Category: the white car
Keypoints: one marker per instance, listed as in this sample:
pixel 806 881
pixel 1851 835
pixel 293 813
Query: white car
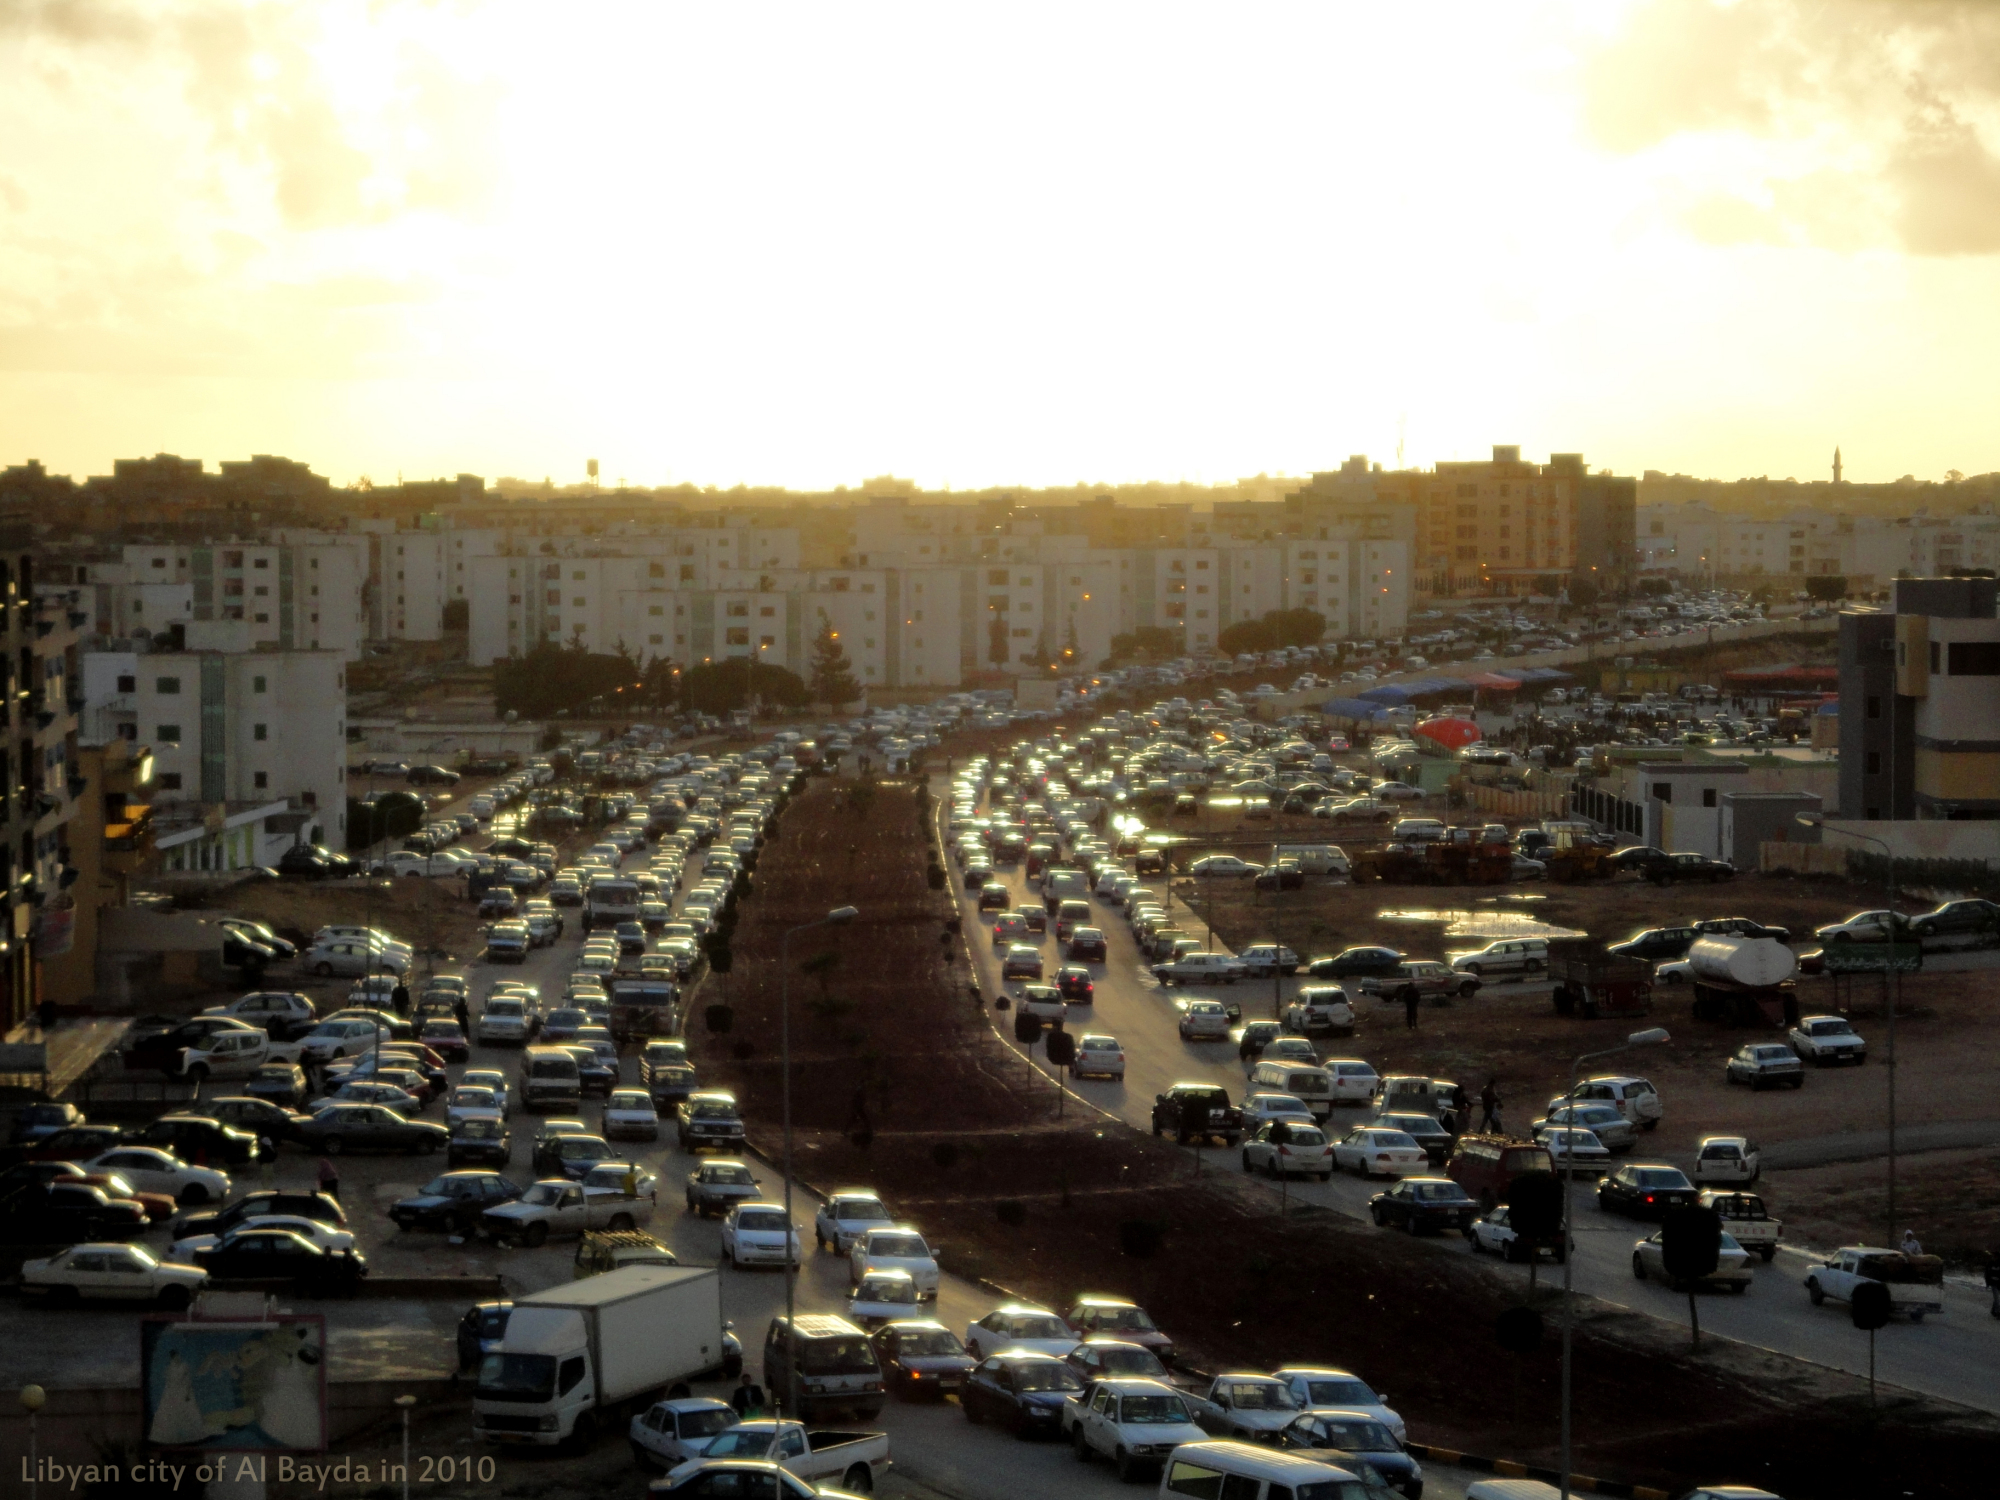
pixel 1373 1152
pixel 1098 1056
pixel 277 1011
pixel 671 1432
pixel 1131 1422
pixel 1321 1007
pixel 1320 1388
pixel 487 1078
pixel 351 956
pixel 1493 1232
pixel 1508 956
pixel 504 1020
pixel 846 1216
pixel 114 1273
pixel 326 1236
pixel 882 1297
pixel 1304 1151
pixel 1204 1021
pixel 1019 1326
pixel 758 1234
pixel 1828 1039
pixel 1259 960
pixel 154 1171
pixel 1732 1262
pixel 1354 1081
pixel 900 1248
pixel 1727 1159
pixel 629 1114
pixel 1222 865
pixel 1250 1408
pixel 1198 967
pixel 1674 971
pixel 1396 791
pixel 1574 1148
pixel 1262 1108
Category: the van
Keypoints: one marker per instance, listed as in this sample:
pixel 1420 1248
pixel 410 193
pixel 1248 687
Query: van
pixel 1417 831
pixel 1244 1471
pixel 1314 859
pixel 549 1080
pixel 836 1367
pixel 1408 1094
pixel 1311 1086
pixel 1486 1165
pixel 1071 915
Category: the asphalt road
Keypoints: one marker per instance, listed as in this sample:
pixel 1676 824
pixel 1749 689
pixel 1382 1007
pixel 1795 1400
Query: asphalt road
pixel 1956 1357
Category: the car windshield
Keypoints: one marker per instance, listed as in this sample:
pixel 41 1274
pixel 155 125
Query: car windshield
pixel 1388 1138
pixel 932 1341
pixel 1258 1395
pixel 1773 1054
pixel 749 1444
pixel 767 1223
pixel 1832 1028
pixel 1340 1392
pixel 837 1356
pixel 543 1194
pixel 581 1148
pixel 886 1289
pixel 630 1099
pixel 479 1128
pixel 517 1377
pixel 706 1423
pixel 1125 1320
pixel 1044 1326
pixel 1153 1410
pixel 1045 1377
pixel 900 1246
pixel 1661 1177
pixel 862 1210
pixel 1440 1192
pixel 714 1109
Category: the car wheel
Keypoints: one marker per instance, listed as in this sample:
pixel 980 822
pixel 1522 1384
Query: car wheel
pixel 173 1298
pixel 194 1193
pixel 537 1236
pixel 1326 1176
pixel 622 1222
pixel 1814 1293
pixel 1128 1471
pixel 1246 1162
pixel 1638 1267
pixel 1468 990
pixel 1271 1169
pixel 858 1480
pixel 1799 1082
pixel 1381 1219
pixel 1843 937
pixel 971 1407
pixel 427 1146
pixel 1769 1252
pixel 1077 1442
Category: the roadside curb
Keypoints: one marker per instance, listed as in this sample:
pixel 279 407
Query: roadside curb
pixel 1511 1469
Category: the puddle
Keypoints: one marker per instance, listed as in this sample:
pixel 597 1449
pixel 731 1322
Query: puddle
pixel 1482 924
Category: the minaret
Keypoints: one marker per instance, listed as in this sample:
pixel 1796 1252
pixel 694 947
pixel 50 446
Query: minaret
pixel 1836 465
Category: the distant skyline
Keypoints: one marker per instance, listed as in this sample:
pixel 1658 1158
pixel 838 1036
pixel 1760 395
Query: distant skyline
pixel 1030 246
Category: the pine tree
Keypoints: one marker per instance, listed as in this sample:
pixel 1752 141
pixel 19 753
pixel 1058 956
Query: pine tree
pixel 832 678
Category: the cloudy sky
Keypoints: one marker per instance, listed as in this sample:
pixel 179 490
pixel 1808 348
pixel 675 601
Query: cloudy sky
pixel 977 244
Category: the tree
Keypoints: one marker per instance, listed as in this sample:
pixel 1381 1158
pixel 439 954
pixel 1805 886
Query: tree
pixel 720 687
pixel 832 675
pixel 1582 592
pixel 554 679
pixel 1147 640
pixel 1277 628
pixel 1826 588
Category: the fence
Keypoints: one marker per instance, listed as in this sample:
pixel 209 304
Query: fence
pixel 1801 859
pixel 1508 803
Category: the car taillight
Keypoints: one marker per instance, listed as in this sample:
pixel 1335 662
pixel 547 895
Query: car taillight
pixel 1649 1197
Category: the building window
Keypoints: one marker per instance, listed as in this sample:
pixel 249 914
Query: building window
pixel 260 731
pixel 1874 708
pixel 1874 762
pixel 1974 658
pixel 260 780
pixel 656 609
pixel 1708 796
pixel 167 685
pixel 128 684
pixel 1663 790
pixel 168 734
pixel 170 781
pixel 738 635
pixel 653 640
pixel 1935 653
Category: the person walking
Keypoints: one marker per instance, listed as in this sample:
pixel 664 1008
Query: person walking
pixel 747 1400
pixel 329 1178
pixel 399 997
pixel 464 1017
pixel 1410 1002
pixel 1489 1102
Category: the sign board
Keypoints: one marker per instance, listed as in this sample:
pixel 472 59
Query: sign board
pixel 229 1386
pixel 24 1057
pixel 1873 958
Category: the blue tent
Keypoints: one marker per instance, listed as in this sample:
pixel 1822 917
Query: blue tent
pixel 1422 687
pixel 1351 708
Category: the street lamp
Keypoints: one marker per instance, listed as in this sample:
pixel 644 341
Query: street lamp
pixel 1814 820
pixel 1653 1036
pixel 840 916
pixel 32 1398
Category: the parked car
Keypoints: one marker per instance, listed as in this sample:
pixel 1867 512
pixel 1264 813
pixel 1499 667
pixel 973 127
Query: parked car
pixel 1828 1039
pixel 1868 927
pixel 1765 1065
pixel 453 1201
pixel 370 1127
pixel 1024 1390
pixel 35 1122
pixel 111 1272
pixel 1645 1190
pixel 921 1359
pixel 68 1212
pixel 1955 918
pixel 1515 956
pixel 1418 1204
pixel 1656 944
pixel 254 1253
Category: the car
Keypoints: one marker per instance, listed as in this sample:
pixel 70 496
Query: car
pixel 629 1114
pixel 453 1201
pixel 263 1118
pixel 1494 1232
pixel 921 1359
pixel 882 1297
pixel 846 1216
pixel 380 1090
pixel 479 1139
pixel 1289 1148
pixel 1369 1151
pixel 1417 1204
pixel 1319 1389
pixel 155 1171
pixel 757 1233
pixel 1262 1108
pixel 35 1122
pixel 571 1156
pixel 1423 978
pixel 1421 1128
pixel 1285 875
pixel 1732 1159
pixel 68 1210
pixel 672 1432
pixel 1613 1131
pixel 1656 944
pixel 1021 1327
pixel 1521 956
pixel 1023 961
pixel 111 1272
pixel 1573 1148
pixel 1868 927
pixel 1204 1021
pixel 1828 1039
pixel 615 1179
pixel 251 1252
pixel 898 1248
pixel 719 1184
pixel 348 956
pixel 1073 983
pixel 709 1118
pixel 284 1014
pixel 1645 1190
pixel 1741 927
pixel 1198 967
pixel 1223 867
pixel 1321 1009
pixel 326 1236
pixel 370 1127
pixel 1732 1263
pixel 1087 944
pixel 1022 1389
pixel 1354 1440
pixel 1178 1108
pixel 1765 1065
pixel 1958 917
pixel 445 1037
pixel 1250 1408
pixel 1109 1357
pixel 1098 1056
pixel 993 895
pixel 279 1083
pixel 33 1176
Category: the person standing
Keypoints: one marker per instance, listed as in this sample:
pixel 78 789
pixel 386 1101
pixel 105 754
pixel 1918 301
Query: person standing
pixel 1410 1003
pixel 1489 1102
pixel 329 1178
pixel 464 1015
pixel 747 1400
pixel 399 997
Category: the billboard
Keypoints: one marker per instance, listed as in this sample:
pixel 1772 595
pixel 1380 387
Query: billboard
pixel 234 1386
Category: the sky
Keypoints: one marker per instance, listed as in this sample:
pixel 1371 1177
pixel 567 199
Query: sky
pixel 978 244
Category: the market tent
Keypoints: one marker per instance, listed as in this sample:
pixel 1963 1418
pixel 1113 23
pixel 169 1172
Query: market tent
pixel 1422 687
pixel 1351 708
pixel 1453 733
pixel 1493 682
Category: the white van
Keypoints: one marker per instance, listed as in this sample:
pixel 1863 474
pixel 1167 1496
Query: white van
pixel 1417 831
pixel 1314 859
pixel 1243 1471
pixel 1311 1086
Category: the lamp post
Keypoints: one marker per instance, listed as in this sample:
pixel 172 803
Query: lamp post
pixel 403 1404
pixel 1651 1037
pixel 840 916
pixel 32 1398
pixel 1813 820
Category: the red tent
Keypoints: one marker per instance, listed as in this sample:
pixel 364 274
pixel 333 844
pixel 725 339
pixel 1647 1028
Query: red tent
pixel 1453 734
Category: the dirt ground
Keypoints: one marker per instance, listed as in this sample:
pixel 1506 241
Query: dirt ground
pixel 1950 1198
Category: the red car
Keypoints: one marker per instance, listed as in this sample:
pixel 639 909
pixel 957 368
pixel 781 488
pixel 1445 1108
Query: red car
pixel 446 1037
pixel 1074 983
pixel 157 1205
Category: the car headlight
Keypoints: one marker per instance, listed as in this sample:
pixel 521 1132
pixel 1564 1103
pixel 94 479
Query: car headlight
pixel 546 1424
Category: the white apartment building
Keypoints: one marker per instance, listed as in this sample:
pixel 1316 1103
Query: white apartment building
pixel 302 590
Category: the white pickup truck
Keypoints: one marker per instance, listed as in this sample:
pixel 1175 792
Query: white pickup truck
pixel 234 1054
pixel 849 1460
pixel 556 1207
pixel 1745 1217
pixel 1132 1423
pixel 1915 1282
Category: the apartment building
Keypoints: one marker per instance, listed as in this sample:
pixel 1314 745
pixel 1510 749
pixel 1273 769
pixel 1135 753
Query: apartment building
pixel 297 589
pixel 1505 524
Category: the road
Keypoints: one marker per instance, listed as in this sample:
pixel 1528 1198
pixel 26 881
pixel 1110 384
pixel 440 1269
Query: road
pixel 1956 1358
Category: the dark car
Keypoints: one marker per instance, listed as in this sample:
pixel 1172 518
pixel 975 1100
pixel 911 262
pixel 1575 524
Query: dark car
pixel 258 1117
pixel 562 1024
pixel 453 1201
pixel 36 1121
pixel 202 1140
pixel 1355 1435
pixel 1285 875
pixel 1656 944
pixel 443 1035
pixel 1636 859
pixel 370 1127
pixel 480 1139
pixel 257 1254
pixel 1024 1391
pixel 1087 943
pixel 1424 1130
pixel 921 1359
pixel 1679 867
pixel 1113 1359
pixel 1645 1190
pixel 1381 962
pixel 1176 1109
pixel 480 1332
pixel 1257 1035
pixel 66 1212
pixel 995 897
pixel 430 776
pixel 315 1206
pixel 39 1174
pixel 571 1156
pixel 311 862
pixel 1741 927
pixel 709 1119
pixel 1958 917
pixel 260 933
pixel 1073 983
pixel 631 937
pixel 1421 1204
pixel 160 1046
pixel 595 1072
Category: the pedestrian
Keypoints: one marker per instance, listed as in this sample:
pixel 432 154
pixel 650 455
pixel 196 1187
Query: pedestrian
pixel 399 998
pixel 1410 1008
pixel 464 1017
pixel 1489 1101
pixel 747 1400
pixel 329 1178
pixel 630 1181
pixel 1911 1245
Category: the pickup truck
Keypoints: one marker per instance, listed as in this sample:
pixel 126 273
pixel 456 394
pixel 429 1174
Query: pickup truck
pixel 1427 978
pixel 1744 1216
pixel 158 1041
pixel 229 1054
pixel 1247 1408
pixel 558 1207
pixel 1915 1282
pixel 1133 1423
pixel 853 1461
pixel 1199 968
pixel 1172 1112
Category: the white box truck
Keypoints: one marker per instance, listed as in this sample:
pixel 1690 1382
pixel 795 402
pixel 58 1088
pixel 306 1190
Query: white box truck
pixel 583 1356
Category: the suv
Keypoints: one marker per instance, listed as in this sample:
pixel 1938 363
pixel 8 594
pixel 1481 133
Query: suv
pixel 1422 977
pixel 1173 1111
pixel 1634 1098
pixel 1320 1008
pixel 1656 944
